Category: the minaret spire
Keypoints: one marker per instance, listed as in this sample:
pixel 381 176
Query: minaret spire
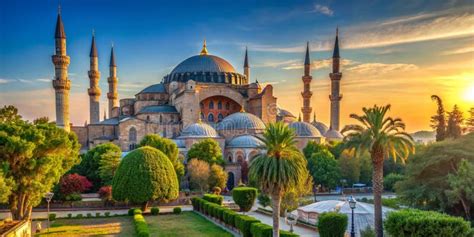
pixel 335 96
pixel 306 94
pixel 61 82
pixel 204 48
pixel 246 65
pixel 94 77
pixel 112 95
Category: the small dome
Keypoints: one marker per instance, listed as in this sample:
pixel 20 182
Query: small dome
pixel 180 143
pixel 199 130
pixel 284 113
pixel 322 128
pixel 255 85
pixel 333 134
pixel 303 129
pixel 245 141
pixel 241 120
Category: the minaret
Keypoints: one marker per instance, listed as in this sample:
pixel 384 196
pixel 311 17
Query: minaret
pixel 112 95
pixel 246 66
pixel 335 76
pixel 306 94
pixel 61 83
pixel 94 90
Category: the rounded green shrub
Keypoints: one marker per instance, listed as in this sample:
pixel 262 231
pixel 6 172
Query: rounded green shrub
pixel 130 211
pixel 97 214
pixel 332 224
pixel 155 211
pixel 243 223
pixel 410 222
pixel 261 230
pixel 141 227
pixel 218 199
pixel 145 174
pixel 137 211
pixel 89 215
pixel 177 210
pixel 52 216
pixel 79 216
pixel 244 197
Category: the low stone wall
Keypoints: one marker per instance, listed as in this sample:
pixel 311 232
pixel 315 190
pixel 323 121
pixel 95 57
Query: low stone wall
pixel 22 229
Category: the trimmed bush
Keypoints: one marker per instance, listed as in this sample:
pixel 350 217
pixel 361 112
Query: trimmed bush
pixel 69 215
pixel 332 224
pixel 217 199
pixel 130 211
pixel 229 217
pixel 244 197
pixel 261 230
pixel 145 174
pixel 107 214
pixel 141 227
pixel 195 202
pixel 89 215
pixel 177 210
pixel 52 216
pixel 97 214
pixel 79 216
pixel 367 232
pixel 155 211
pixel 243 223
pixel 284 233
pixel 137 211
pixel 410 222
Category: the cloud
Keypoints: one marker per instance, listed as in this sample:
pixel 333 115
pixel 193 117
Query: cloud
pixel 4 81
pixel 275 64
pixel 325 10
pixel 319 64
pixel 381 68
pixel 43 80
pixel 468 49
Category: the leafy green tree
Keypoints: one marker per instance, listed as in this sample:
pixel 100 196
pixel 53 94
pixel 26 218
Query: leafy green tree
pixel 168 147
pixel 90 164
pixel 293 197
pixel 382 136
pixel 455 120
pixel 199 172
pixel 349 165
pixel 108 164
pixel 282 168
pixel 311 148
pixel 35 157
pixel 325 169
pixel 470 121
pixel 390 180
pixel 6 185
pixel 366 168
pixel 207 150
pixel 145 174
pixel 427 172
pixel 217 177
pixel 462 189
pixel 438 121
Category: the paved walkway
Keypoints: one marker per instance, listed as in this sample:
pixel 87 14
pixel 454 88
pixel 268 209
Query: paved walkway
pixel 61 213
pixel 303 232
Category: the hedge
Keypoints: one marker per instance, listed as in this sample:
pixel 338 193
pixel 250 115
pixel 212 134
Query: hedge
pixel 417 223
pixel 243 223
pixel 261 230
pixel 177 210
pixel 332 224
pixel 217 199
pixel 244 197
pixel 141 227
pixel 155 211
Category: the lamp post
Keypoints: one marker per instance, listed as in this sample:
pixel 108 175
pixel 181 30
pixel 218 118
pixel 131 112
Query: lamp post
pixel 352 204
pixel 48 196
pixel 291 219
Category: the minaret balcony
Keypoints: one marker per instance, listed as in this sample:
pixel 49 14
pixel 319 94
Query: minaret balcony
pixel 307 94
pixel 112 79
pixel 94 91
pixel 61 84
pixel 112 95
pixel 306 110
pixel 94 74
pixel 61 60
pixel 335 97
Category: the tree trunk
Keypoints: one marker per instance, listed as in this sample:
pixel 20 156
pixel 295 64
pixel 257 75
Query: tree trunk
pixel 467 208
pixel 144 206
pixel 276 200
pixel 377 180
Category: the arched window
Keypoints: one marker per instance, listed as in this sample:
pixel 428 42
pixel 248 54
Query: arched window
pixel 211 105
pixel 202 116
pixel 210 118
pixel 202 105
pixel 227 105
pixel 220 117
pixel 132 135
pixel 219 105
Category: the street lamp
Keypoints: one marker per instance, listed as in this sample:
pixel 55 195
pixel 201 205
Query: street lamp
pixel 291 219
pixel 352 204
pixel 48 196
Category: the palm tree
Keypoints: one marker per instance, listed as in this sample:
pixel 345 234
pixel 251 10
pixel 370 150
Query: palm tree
pixel 280 169
pixel 382 137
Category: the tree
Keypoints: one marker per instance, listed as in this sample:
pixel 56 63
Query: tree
pixel 381 136
pixel 324 169
pixel 199 172
pixel 90 164
pixel 455 120
pixel 207 150
pixel 462 190
pixel 470 121
pixel 168 147
pixel 293 197
pixel 438 121
pixel 145 174
pixel 74 183
pixel 108 165
pixel 311 148
pixel 349 165
pixel 6 187
pixel 35 157
pixel 217 177
pixel 281 168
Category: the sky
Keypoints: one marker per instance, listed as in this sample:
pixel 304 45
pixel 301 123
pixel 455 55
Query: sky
pixel 393 52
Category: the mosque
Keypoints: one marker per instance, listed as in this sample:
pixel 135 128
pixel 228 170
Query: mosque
pixel 202 97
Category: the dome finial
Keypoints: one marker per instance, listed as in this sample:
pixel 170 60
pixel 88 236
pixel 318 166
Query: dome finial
pixel 242 110
pixel 204 48
pixel 299 118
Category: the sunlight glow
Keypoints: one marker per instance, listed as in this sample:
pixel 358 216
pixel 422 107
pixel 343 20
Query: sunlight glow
pixel 469 93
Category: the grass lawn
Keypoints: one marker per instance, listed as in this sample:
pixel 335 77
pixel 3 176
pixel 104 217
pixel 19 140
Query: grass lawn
pixel 112 226
pixel 186 224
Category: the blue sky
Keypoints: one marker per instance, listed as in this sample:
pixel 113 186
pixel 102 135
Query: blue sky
pixel 395 43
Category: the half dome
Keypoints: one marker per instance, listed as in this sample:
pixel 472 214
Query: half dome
pixel 333 134
pixel 199 130
pixel 241 121
pixel 322 128
pixel 303 129
pixel 245 141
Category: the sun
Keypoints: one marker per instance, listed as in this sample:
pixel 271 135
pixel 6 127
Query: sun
pixel 469 94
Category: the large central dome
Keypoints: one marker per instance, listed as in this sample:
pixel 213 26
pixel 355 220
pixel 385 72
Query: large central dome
pixel 203 63
pixel 206 68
